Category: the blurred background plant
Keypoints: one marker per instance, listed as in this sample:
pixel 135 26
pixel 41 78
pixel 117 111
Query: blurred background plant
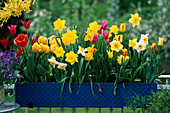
pixel 155 103
pixel 79 13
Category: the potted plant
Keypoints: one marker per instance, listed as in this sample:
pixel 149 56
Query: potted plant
pixel 93 68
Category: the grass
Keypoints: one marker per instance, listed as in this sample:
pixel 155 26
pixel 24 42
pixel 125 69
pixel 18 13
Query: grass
pixel 66 110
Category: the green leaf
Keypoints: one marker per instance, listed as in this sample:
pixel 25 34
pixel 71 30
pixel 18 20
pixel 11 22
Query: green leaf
pixel 72 74
pixel 62 87
pixel 91 82
pixel 137 80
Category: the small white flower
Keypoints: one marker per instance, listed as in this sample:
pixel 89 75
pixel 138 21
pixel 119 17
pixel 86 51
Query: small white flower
pixel 62 66
pixel 140 46
pixel 53 61
pixel 82 51
pixel 144 39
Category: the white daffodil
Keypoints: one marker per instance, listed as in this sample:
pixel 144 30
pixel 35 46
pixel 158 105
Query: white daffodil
pixel 53 61
pixel 62 66
pixel 144 39
pixel 82 51
pixel 140 46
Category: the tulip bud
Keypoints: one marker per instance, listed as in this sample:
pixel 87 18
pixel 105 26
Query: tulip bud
pixel 47 49
pixel 119 38
pixel 104 24
pixel 106 35
pixel 100 29
pixel 95 38
pixel 107 41
pixel 12 29
pixel 53 47
pixel 35 47
pixel 41 48
pixel 42 40
pixel 153 47
pixel 52 40
pixel 122 27
pixel 124 52
pixel 160 42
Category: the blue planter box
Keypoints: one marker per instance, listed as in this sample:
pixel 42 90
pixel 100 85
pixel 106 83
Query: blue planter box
pixel 48 94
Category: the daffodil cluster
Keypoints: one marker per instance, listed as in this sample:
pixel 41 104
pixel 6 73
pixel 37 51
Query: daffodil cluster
pixel 14 8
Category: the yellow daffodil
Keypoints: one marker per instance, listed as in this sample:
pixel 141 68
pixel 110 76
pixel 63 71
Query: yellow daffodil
pixel 62 66
pixel 124 52
pixel 71 57
pixel 122 58
pixel 35 47
pixel 153 47
pixel 42 40
pixel 114 29
pixel 140 46
pixel 122 27
pixel 53 61
pixel 144 38
pixel 82 51
pixel 69 37
pixel 160 42
pixel 91 30
pixel 132 43
pixel 116 45
pixel 41 48
pixel 91 49
pixel 89 56
pixel 59 52
pixel 110 54
pixel 59 25
pixel 46 49
pixel 135 19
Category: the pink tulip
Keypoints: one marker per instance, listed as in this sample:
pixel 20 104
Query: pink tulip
pixel 107 41
pixel 100 29
pixel 95 38
pixel 106 35
pixel 12 29
pixel 104 24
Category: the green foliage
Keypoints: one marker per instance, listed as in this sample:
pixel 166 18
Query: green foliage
pixel 154 103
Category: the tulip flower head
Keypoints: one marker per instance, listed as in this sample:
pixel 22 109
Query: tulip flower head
pixel 26 24
pixel 35 47
pixel 122 58
pixel 100 29
pixel 33 40
pixel 95 38
pixel 106 34
pixel 160 42
pixel 153 47
pixel 132 43
pixel 21 40
pixel 12 29
pixel 19 52
pixel 110 54
pixel 124 52
pixel 4 41
pixel 122 27
pixel 108 42
pixel 104 24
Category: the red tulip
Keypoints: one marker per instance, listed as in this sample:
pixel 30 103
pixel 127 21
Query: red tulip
pixel 104 24
pixel 19 53
pixel 26 25
pixel 100 29
pixel 124 52
pixel 4 41
pixel 12 29
pixel 107 41
pixel 106 35
pixel 21 40
pixel 95 38
pixel 33 40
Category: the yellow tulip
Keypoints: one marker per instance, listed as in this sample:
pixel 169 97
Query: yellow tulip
pixel 35 47
pixel 122 27
pixel 42 40
pixel 52 40
pixel 160 42
pixel 47 49
pixel 41 48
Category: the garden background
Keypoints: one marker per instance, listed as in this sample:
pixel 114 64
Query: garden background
pixel 79 13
